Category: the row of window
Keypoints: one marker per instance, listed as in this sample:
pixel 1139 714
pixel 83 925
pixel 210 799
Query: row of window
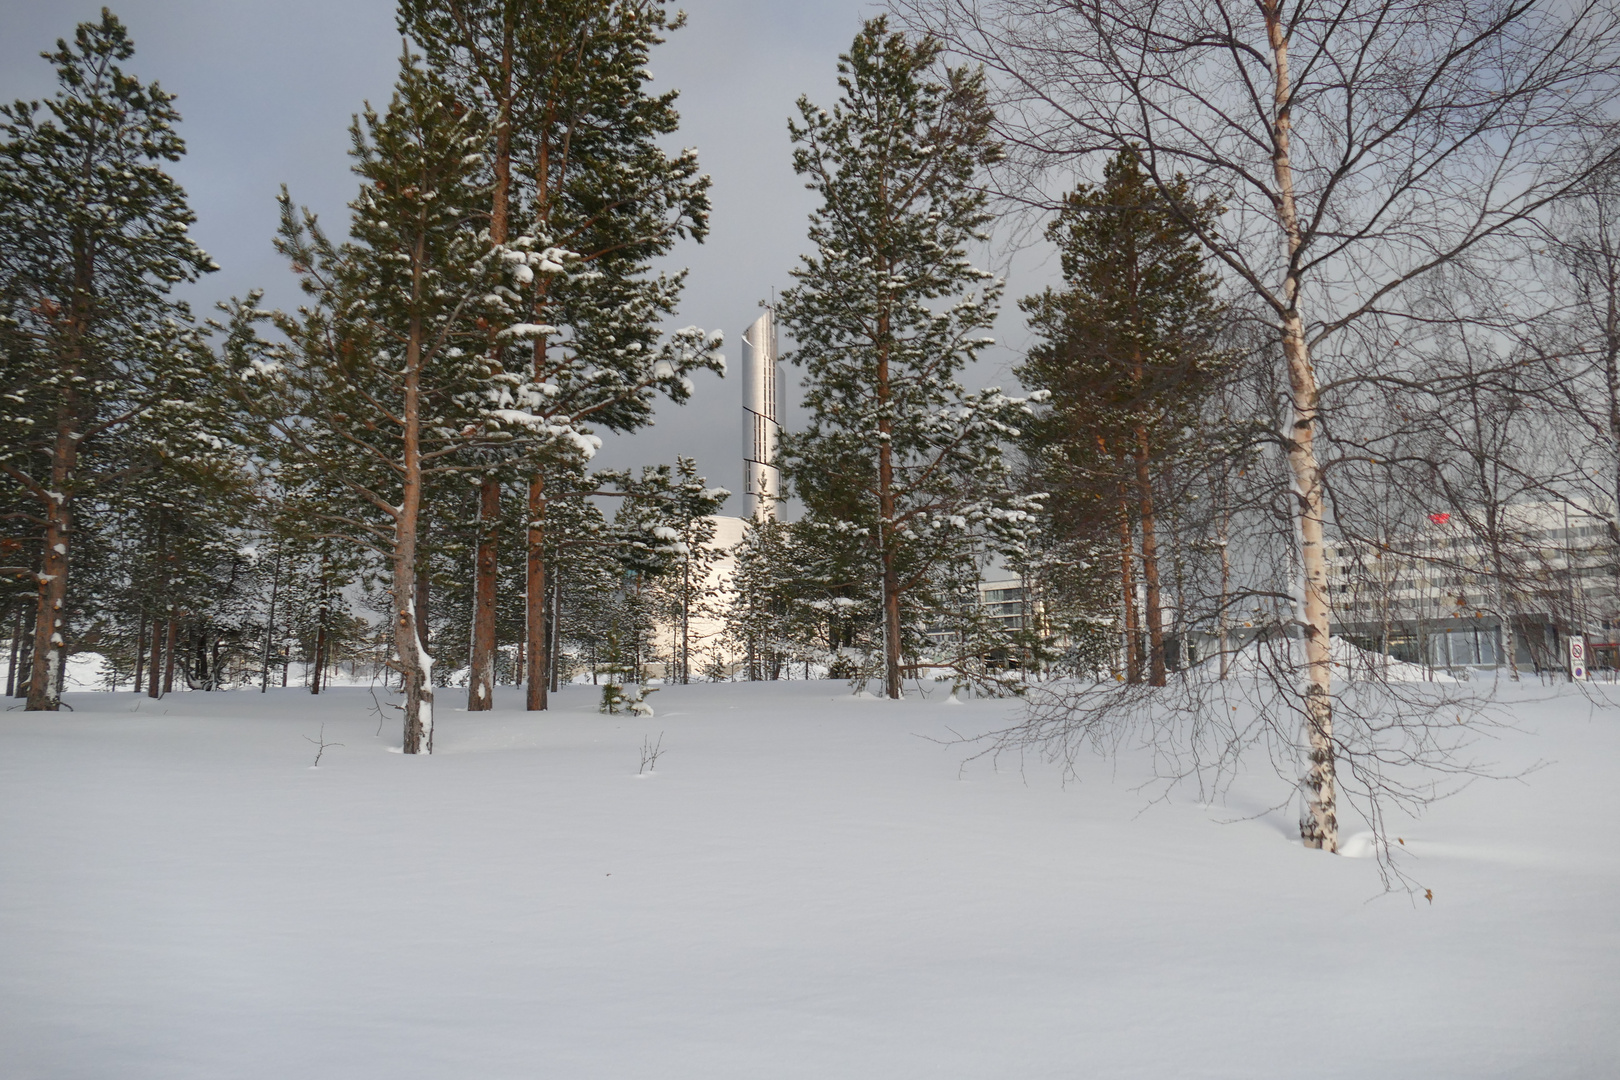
pixel 1574 532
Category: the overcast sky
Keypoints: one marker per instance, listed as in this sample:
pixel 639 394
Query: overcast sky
pixel 266 89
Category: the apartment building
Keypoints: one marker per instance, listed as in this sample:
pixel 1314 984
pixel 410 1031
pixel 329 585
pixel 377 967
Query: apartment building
pixel 1447 596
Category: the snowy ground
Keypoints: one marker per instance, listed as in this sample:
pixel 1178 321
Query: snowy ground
pixel 806 888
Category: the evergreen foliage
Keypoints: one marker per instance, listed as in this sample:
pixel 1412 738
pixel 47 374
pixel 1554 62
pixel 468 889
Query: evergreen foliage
pixel 95 238
pixel 901 468
pixel 766 588
pixel 575 163
pixel 384 384
pixel 674 516
pixel 1129 351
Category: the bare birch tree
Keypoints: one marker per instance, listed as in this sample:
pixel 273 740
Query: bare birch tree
pixel 1357 146
pixel 1581 354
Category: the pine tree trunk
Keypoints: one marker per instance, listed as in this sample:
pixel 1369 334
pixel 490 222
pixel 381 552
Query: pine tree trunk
pixel 481 679
pixel 205 671
pixel 891 582
pixel 140 651
pixel 537 678
pixel 154 674
pixel 424 587
pixel 486 582
pixel 320 658
pixel 416 666
pixel 503 93
pixel 891 626
pixel 686 620
pixel 323 612
pixel 554 625
pixel 25 662
pixel 49 648
pixel 635 636
pixel 270 621
pixel 1319 825
pixel 168 655
pixel 1127 593
pixel 16 646
pixel 749 661
pixel 1150 563
pixel 537 675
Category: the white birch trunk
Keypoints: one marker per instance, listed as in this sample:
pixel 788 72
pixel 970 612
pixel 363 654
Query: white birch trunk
pixel 1319 823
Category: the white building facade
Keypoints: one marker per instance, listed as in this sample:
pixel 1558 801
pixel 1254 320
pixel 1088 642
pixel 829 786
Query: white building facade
pixel 761 426
pixel 1445 597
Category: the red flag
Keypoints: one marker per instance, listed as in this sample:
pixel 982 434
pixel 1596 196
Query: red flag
pixel 1439 519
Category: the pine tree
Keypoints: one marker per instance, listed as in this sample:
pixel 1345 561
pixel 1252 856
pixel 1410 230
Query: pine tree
pixel 1128 352
pixel 885 314
pixel 667 528
pixel 765 595
pixel 385 387
pixel 93 237
pixel 182 518
pixel 575 163
pixel 687 590
pixel 311 567
pixel 585 577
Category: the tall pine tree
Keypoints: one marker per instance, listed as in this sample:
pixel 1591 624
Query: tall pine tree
pixel 575 161
pixel 93 238
pixel 1128 351
pixel 384 388
pixel 898 455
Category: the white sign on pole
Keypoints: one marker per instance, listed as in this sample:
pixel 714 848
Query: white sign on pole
pixel 1577 656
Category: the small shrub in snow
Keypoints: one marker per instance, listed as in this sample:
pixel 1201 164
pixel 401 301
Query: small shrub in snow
pixel 649 753
pixel 615 698
pixel 320 744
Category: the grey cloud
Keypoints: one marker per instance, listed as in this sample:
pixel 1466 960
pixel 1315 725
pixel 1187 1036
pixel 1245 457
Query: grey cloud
pixel 267 90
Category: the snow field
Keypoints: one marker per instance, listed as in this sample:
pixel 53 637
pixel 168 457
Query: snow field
pixel 808 887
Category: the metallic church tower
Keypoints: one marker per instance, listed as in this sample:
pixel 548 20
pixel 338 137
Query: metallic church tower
pixel 762 484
